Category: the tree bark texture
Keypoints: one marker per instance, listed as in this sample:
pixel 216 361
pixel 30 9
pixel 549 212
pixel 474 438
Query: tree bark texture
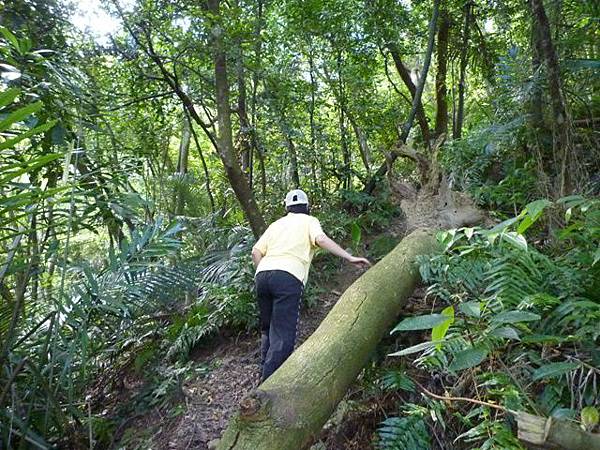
pixel 290 407
pixel 536 104
pixel 293 154
pixel 226 150
pixel 560 125
pixel 182 165
pixel 460 114
pixel 205 169
pixel 441 113
pixel 405 76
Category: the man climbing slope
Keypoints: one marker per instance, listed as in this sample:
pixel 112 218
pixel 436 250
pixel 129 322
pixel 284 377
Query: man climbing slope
pixel 282 257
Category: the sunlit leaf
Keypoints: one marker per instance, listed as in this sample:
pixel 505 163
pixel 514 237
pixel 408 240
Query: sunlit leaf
pixel 420 322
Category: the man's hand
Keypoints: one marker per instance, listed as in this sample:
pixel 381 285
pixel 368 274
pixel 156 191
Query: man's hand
pixel 358 261
pixel 327 243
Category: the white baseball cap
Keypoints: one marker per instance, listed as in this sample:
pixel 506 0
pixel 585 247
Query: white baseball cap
pixel 296 197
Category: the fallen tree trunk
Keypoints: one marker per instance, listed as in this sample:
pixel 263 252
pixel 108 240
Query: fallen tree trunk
pixel 549 432
pixel 289 409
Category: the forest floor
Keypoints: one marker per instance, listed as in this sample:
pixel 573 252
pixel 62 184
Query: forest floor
pixel 210 399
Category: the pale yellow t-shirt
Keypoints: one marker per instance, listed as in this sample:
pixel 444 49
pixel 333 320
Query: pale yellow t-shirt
pixel 289 245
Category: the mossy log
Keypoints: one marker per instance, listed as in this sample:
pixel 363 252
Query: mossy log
pixel 289 409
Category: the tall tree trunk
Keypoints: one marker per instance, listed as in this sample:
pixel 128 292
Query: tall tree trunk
pixel 347 169
pixel 363 143
pixel 245 132
pixel 289 409
pixel 311 111
pixel 182 165
pixel 225 140
pixel 441 115
pixel 536 111
pixel 244 136
pixel 370 186
pixel 560 123
pixel 255 81
pixel 205 169
pixel 460 113
pixel 293 155
pixel 405 76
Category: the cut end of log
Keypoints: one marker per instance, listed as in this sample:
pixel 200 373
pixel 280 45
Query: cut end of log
pixel 549 432
pixel 532 429
pixel 254 405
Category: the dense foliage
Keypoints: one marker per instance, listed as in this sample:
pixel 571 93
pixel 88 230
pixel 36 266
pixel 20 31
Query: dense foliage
pixel 527 319
pixel 136 171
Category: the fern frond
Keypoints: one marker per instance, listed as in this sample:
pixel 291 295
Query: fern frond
pixel 404 433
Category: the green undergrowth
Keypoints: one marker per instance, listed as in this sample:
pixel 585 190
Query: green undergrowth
pixel 513 321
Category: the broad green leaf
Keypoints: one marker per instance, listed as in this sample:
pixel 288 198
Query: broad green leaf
pixel 420 322
pixel 506 332
pixel 9 72
pixel 590 417
pixel 416 348
pixel 471 309
pixel 568 214
pixel 439 331
pixel 505 224
pixel 596 256
pixel 515 316
pixel 534 211
pixel 553 370
pixel 572 201
pixel 468 358
pixel 10 38
pixel 515 239
pixel 543 339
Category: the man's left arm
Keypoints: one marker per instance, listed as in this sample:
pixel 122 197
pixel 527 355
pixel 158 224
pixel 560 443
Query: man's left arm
pixel 256 256
pixel 260 249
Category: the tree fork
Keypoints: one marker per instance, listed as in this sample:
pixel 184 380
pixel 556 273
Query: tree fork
pixel 370 186
pixel 289 409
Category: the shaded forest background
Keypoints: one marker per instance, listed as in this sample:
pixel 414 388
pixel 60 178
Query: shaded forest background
pixel 136 173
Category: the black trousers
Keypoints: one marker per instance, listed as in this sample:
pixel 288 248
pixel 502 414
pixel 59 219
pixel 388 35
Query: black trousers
pixel 279 295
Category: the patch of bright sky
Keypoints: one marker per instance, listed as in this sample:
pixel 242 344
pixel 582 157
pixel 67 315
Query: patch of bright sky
pixel 489 26
pixel 91 16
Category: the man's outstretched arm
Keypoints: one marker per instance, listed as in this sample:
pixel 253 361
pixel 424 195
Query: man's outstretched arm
pixel 325 242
